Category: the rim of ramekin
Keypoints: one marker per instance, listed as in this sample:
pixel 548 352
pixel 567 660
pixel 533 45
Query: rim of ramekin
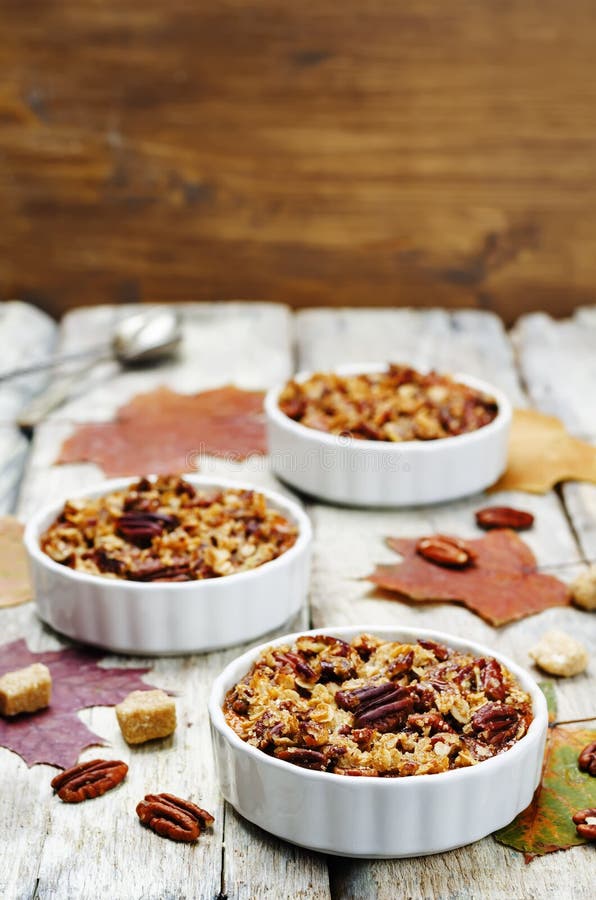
pixel 503 417
pixel 285 504
pixel 507 757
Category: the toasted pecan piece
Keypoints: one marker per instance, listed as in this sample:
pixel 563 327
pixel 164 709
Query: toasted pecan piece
pixel 88 780
pixel 172 817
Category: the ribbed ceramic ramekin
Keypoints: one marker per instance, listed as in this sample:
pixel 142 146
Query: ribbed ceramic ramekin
pixel 377 817
pixel 179 617
pixel 356 472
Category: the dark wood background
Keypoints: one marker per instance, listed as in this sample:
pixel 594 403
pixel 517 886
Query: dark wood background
pixel 426 153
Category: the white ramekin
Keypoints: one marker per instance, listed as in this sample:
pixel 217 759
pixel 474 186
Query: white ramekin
pixel 377 817
pixel 354 472
pixel 180 617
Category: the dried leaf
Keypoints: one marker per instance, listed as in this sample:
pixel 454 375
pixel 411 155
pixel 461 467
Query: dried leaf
pixel 15 586
pixel 542 453
pixel 56 735
pixel 163 432
pixel 546 824
pixel 502 585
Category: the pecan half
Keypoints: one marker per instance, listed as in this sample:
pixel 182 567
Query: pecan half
pixel 337 669
pixel 297 664
pixel 443 550
pixel 139 527
pixel 386 716
pixel 496 723
pixel 585 823
pixel 360 697
pixel 587 759
pixel 89 779
pixel 441 652
pixel 152 570
pixel 492 680
pixel 402 663
pixel 504 517
pixel 302 756
pixel 173 818
pixel 384 704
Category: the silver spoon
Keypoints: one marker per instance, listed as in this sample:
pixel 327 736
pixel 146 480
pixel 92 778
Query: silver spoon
pixel 142 338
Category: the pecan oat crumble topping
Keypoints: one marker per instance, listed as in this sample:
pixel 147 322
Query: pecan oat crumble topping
pixel 399 404
pixel 377 708
pixel 168 530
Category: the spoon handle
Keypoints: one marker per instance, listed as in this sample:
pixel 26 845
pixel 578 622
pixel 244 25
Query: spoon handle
pixel 94 353
pixel 54 395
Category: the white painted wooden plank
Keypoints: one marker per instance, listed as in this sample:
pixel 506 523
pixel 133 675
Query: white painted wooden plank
pixel 558 363
pixel 482 871
pixel 463 341
pixel 258 865
pixel 349 542
pixel 27 336
pixel 248 344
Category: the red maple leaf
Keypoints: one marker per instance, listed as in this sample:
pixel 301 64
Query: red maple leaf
pixel 56 735
pixel 162 432
pixel 501 586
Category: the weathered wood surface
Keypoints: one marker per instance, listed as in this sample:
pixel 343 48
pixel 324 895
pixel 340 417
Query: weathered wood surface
pixel 316 153
pixel 44 844
pixel 348 542
pixel 27 336
pixel 49 852
pixel 558 363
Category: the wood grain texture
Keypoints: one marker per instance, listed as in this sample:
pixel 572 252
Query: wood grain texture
pixel 44 842
pixel 379 154
pixel 558 363
pixel 347 542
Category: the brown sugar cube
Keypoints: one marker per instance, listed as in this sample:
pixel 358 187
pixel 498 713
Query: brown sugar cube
pixel 145 715
pixel 25 690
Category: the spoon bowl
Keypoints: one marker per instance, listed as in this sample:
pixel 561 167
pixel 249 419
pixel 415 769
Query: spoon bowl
pixel 147 336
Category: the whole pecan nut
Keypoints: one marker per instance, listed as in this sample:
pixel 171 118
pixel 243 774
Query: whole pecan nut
pixel 173 818
pixel 89 779
pixel 585 823
pixel 504 517
pixel 443 550
pixel 587 759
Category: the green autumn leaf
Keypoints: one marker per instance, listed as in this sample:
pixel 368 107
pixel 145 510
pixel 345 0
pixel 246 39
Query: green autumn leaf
pixel 546 824
pixel 548 689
